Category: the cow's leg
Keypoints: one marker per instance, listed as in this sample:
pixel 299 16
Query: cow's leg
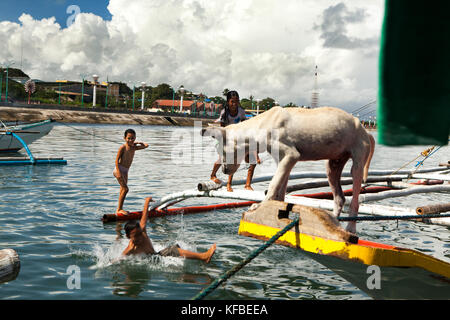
pixel 334 172
pixel 357 175
pixel 278 184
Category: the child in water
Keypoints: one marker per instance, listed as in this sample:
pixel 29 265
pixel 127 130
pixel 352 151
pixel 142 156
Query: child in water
pixel 140 242
pixel 124 159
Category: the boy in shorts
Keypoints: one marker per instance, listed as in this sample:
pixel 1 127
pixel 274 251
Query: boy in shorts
pixel 140 243
pixel 124 159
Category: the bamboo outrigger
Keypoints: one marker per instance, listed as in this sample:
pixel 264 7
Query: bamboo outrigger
pixel 402 273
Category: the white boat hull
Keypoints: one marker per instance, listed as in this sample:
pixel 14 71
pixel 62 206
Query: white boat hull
pixel 10 144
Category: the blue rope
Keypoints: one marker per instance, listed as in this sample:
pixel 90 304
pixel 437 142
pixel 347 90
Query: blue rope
pixel 225 276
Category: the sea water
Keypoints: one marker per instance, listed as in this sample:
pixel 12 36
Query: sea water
pixel 51 215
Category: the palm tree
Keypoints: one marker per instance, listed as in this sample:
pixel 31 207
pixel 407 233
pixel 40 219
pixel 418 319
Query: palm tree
pixel 225 91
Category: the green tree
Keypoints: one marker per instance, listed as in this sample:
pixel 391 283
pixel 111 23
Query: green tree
pixel 225 92
pixel 267 103
pixel 246 103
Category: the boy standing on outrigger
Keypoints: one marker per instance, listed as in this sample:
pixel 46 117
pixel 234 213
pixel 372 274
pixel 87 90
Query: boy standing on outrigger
pixel 124 160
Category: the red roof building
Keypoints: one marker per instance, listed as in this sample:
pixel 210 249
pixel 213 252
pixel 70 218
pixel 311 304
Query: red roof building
pixel 188 106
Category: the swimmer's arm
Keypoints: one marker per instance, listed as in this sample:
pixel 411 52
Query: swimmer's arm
pixel 125 252
pixel 144 217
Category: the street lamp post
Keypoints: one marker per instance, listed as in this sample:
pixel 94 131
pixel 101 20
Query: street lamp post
pixel 182 93
pixel 95 77
pixel 143 95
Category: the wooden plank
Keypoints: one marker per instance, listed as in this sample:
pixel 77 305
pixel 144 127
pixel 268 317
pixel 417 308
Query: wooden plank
pixel 313 221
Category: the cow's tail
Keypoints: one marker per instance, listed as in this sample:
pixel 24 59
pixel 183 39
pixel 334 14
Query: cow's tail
pixel 369 158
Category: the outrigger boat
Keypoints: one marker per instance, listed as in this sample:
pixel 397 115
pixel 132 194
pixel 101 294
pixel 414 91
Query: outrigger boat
pixel 380 270
pixel 14 138
pixel 28 133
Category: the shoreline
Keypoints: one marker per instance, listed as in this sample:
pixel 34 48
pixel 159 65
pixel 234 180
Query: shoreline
pixel 78 115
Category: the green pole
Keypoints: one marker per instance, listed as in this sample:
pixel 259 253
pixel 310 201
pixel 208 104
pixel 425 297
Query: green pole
pixel 106 100
pixel 59 98
pixel 6 96
pixel 133 95
pixel 82 93
pixel 1 83
pixel 173 98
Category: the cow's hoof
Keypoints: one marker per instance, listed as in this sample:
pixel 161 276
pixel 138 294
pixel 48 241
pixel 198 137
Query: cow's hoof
pixel 351 227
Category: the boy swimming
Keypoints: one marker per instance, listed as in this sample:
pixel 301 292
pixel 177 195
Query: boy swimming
pixel 124 159
pixel 140 243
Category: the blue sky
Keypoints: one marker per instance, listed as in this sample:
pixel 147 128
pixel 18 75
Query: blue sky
pixel 11 10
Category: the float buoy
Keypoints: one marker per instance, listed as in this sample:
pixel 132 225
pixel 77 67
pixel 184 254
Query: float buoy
pixel 9 265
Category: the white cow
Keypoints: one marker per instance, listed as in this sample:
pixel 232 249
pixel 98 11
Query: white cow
pixel 296 134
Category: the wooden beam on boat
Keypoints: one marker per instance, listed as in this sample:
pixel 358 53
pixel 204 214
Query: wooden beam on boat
pixel 312 221
pixel 3 131
pixel 347 181
pixel 26 158
pixel 434 208
pixel 428 176
pixel 402 193
pixel 322 174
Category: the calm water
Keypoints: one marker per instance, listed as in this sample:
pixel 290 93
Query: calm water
pixel 51 216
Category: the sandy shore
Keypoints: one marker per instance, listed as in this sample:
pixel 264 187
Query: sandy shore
pixel 8 113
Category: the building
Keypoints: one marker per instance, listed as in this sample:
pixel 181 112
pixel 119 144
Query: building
pixel 189 106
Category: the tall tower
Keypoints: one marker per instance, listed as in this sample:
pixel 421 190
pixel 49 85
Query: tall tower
pixel 315 93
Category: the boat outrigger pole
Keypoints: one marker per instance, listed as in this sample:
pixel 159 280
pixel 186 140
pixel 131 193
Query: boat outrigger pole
pixel 31 160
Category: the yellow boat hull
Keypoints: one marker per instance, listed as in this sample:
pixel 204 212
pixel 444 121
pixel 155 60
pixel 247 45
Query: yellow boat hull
pixel 403 273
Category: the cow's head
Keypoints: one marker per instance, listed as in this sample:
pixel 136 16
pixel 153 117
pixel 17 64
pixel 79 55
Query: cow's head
pixel 232 147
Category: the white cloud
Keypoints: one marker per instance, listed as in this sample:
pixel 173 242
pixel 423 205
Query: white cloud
pixel 259 47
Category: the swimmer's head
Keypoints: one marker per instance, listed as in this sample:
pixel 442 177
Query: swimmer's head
pixel 130 226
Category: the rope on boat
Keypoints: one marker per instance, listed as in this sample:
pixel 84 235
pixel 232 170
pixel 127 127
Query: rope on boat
pixel 225 276
pixel 407 217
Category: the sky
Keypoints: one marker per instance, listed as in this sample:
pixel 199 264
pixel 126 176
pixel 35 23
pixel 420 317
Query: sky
pixel 263 48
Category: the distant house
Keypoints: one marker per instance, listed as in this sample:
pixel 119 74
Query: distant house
pixel 74 89
pixel 189 106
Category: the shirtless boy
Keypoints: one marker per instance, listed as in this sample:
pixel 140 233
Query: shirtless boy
pixel 140 243
pixel 124 159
